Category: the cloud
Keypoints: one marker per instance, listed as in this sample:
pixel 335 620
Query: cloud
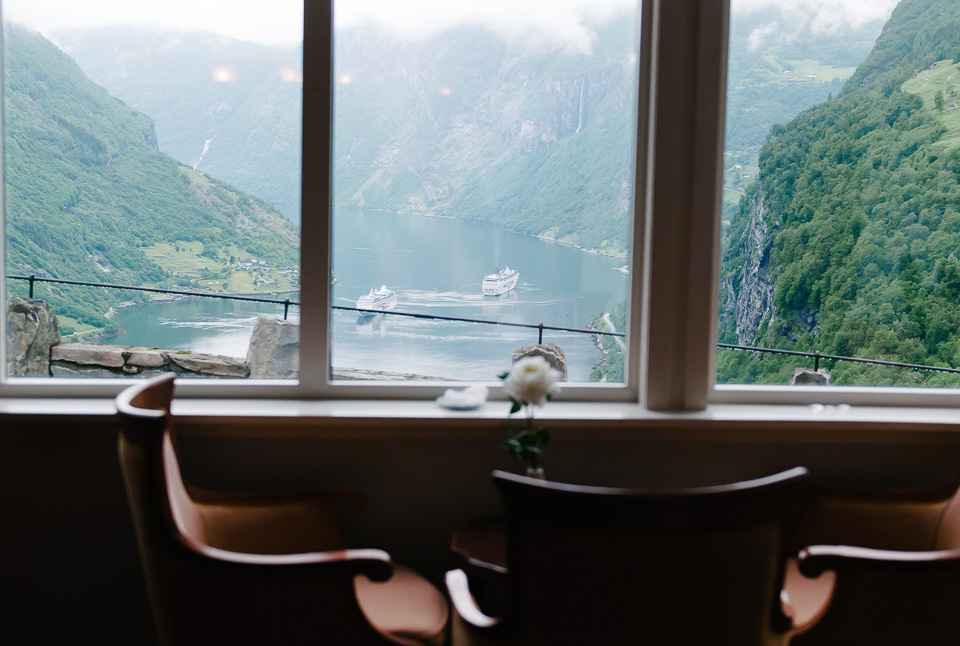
pixel 560 23
pixel 759 35
pixel 820 16
pixel 276 22
pixel 564 23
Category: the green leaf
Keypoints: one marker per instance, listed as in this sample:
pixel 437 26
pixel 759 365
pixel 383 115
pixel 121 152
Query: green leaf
pixel 516 406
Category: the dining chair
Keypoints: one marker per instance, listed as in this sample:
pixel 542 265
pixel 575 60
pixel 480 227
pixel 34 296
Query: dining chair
pixel 595 565
pixel 885 569
pixel 245 568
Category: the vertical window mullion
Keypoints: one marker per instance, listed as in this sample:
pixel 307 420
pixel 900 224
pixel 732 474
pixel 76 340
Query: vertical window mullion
pixel 316 209
pixel 689 75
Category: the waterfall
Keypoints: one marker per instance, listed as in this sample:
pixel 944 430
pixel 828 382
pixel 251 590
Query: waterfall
pixel 206 147
pixel 583 84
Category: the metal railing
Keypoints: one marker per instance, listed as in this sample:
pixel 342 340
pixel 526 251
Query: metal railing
pixel 156 290
pixel 817 356
pixel 540 327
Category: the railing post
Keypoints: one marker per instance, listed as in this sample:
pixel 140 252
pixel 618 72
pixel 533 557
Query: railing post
pixel 816 360
pixel 32 277
pixel 286 308
pixel 540 337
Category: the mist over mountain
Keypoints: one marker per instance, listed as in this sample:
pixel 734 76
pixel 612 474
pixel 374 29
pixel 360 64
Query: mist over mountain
pixel 466 125
pixel 848 241
pixel 89 197
pixel 462 123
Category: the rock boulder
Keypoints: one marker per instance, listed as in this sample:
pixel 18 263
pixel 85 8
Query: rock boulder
pixel 32 330
pixel 274 351
pixel 807 377
pixel 549 351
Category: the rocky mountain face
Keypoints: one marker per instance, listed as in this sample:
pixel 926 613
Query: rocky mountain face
pixel 747 294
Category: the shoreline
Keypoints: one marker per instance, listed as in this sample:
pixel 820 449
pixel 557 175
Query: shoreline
pixel 450 217
pixel 578 247
pixel 394 212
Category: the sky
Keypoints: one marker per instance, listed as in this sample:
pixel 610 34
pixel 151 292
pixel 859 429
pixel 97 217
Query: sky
pixel 271 22
pixel 563 22
pixel 279 22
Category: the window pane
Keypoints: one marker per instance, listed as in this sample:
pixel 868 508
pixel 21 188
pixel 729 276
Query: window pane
pixel 841 224
pixel 483 176
pixel 154 145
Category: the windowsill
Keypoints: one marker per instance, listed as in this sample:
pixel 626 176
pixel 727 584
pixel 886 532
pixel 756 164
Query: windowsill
pixel 719 422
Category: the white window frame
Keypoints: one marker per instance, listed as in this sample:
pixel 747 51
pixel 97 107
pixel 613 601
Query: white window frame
pixel 673 302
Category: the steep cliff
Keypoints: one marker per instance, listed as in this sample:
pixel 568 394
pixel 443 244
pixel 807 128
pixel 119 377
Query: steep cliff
pixel 747 289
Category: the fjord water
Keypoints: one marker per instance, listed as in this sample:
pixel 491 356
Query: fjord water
pixel 436 266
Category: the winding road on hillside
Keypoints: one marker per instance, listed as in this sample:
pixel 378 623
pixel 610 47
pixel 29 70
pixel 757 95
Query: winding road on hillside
pixel 613 328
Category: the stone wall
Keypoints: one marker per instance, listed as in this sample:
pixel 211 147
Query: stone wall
pixel 93 360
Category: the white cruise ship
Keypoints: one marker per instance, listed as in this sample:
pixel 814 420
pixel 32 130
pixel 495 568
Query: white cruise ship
pixel 500 282
pixel 378 300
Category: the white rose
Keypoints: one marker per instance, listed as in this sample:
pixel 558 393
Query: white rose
pixel 531 379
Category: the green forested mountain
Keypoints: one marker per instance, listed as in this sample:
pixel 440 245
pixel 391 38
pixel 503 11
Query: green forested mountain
pixel 226 107
pixel 89 197
pixel 849 241
pixel 777 68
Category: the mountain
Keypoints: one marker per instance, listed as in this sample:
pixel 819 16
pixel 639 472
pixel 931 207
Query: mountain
pixel 777 69
pixel 223 106
pixel 89 197
pixel 466 125
pixel 460 124
pixel 848 241
pixel 778 66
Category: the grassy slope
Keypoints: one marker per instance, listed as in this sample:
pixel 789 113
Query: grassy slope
pixel 941 77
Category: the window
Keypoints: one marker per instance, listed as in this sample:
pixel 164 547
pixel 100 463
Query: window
pixel 839 201
pixel 671 252
pixel 483 174
pixel 177 188
pixel 563 168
